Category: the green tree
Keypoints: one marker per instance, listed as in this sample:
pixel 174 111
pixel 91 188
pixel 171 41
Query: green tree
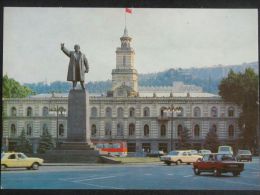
pixel 211 141
pixel 12 89
pixel 242 89
pixel 23 144
pixel 46 142
pixel 184 138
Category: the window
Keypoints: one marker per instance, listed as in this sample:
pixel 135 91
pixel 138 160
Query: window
pixel 179 130
pixel 13 111
pixel 44 129
pixel 29 130
pixel 131 147
pixel 180 114
pixel 29 111
pixel 108 112
pixel 13 130
pixel 131 129
pixel 120 112
pixel 45 111
pixel 108 128
pixel 131 112
pixel 12 156
pixel 163 112
pixel 196 112
pixel 163 147
pixel 197 131
pixel 124 61
pixel 146 130
pixel 163 130
pixel 94 112
pixel 214 128
pixel 214 112
pixel 61 130
pixel 230 131
pixel 146 147
pixel 93 130
pixel 230 111
pixel 146 112
pixel 120 129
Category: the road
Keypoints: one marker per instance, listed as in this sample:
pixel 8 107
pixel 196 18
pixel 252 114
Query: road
pixel 137 176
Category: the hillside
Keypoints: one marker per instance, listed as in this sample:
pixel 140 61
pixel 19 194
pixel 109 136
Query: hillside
pixel 207 77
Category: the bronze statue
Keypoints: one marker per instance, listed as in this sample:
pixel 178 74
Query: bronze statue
pixel 78 65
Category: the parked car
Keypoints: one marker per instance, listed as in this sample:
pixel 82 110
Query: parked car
pixel 244 155
pixel 177 157
pixel 225 150
pixel 155 154
pixel 218 164
pixel 202 152
pixel 194 152
pixel 19 160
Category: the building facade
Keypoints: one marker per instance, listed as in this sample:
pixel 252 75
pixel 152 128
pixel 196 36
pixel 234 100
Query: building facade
pixel 138 117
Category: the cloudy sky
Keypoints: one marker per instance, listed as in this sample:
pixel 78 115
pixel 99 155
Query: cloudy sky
pixel 162 39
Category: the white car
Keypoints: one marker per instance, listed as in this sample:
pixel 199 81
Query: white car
pixel 225 150
pixel 180 156
pixel 202 152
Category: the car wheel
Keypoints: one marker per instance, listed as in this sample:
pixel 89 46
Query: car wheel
pixel 3 167
pixel 235 174
pixel 217 173
pixel 196 171
pixel 168 163
pixel 178 162
pixel 35 166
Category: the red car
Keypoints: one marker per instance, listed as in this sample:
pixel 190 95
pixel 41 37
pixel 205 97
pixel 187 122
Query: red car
pixel 217 164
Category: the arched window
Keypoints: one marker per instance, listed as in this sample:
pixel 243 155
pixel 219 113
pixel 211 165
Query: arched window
pixel 13 130
pixel 163 112
pixel 146 130
pixel 181 113
pixel 29 129
pixel 108 128
pixel 29 111
pixel 13 111
pixel 44 129
pixel 146 112
pixel 120 112
pixel 179 130
pixel 108 112
pixel 197 130
pixel 230 131
pixel 61 111
pixel 214 128
pixel 94 112
pixel 163 130
pixel 131 112
pixel 93 130
pixel 131 129
pixel 120 129
pixel 214 112
pixel 196 112
pixel 230 111
pixel 61 130
pixel 45 111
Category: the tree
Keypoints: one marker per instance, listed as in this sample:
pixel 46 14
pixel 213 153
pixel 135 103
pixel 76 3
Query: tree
pixel 12 89
pixel 184 138
pixel 23 144
pixel 242 89
pixel 46 142
pixel 211 141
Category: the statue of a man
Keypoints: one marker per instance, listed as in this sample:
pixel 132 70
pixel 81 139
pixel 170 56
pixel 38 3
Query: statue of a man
pixel 78 65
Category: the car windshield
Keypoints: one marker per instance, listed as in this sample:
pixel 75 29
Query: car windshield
pixel 173 153
pixel 225 157
pixel 225 149
pixel 244 152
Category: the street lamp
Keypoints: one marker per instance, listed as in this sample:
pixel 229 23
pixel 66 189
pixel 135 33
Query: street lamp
pixel 172 110
pixel 57 109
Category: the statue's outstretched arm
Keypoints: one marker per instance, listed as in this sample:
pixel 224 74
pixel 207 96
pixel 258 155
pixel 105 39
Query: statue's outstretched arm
pixel 86 63
pixel 65 50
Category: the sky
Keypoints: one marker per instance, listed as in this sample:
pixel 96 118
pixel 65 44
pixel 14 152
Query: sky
pixel 162 39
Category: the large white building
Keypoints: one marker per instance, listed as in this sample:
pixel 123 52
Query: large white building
pixel 126 113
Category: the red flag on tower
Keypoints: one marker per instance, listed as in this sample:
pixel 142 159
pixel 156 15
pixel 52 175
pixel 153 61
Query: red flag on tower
pixel 128 10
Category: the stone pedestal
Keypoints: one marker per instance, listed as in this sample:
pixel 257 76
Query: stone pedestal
pixel 78 116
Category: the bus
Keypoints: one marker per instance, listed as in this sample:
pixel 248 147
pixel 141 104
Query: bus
pixel 115 148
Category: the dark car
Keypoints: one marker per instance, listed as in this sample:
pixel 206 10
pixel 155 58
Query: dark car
pixel 218 164
pixel 244 155
pixel 155 154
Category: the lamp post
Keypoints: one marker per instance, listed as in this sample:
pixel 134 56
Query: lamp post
pixel 172 110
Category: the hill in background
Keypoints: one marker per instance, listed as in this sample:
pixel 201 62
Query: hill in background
pixel 207 77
